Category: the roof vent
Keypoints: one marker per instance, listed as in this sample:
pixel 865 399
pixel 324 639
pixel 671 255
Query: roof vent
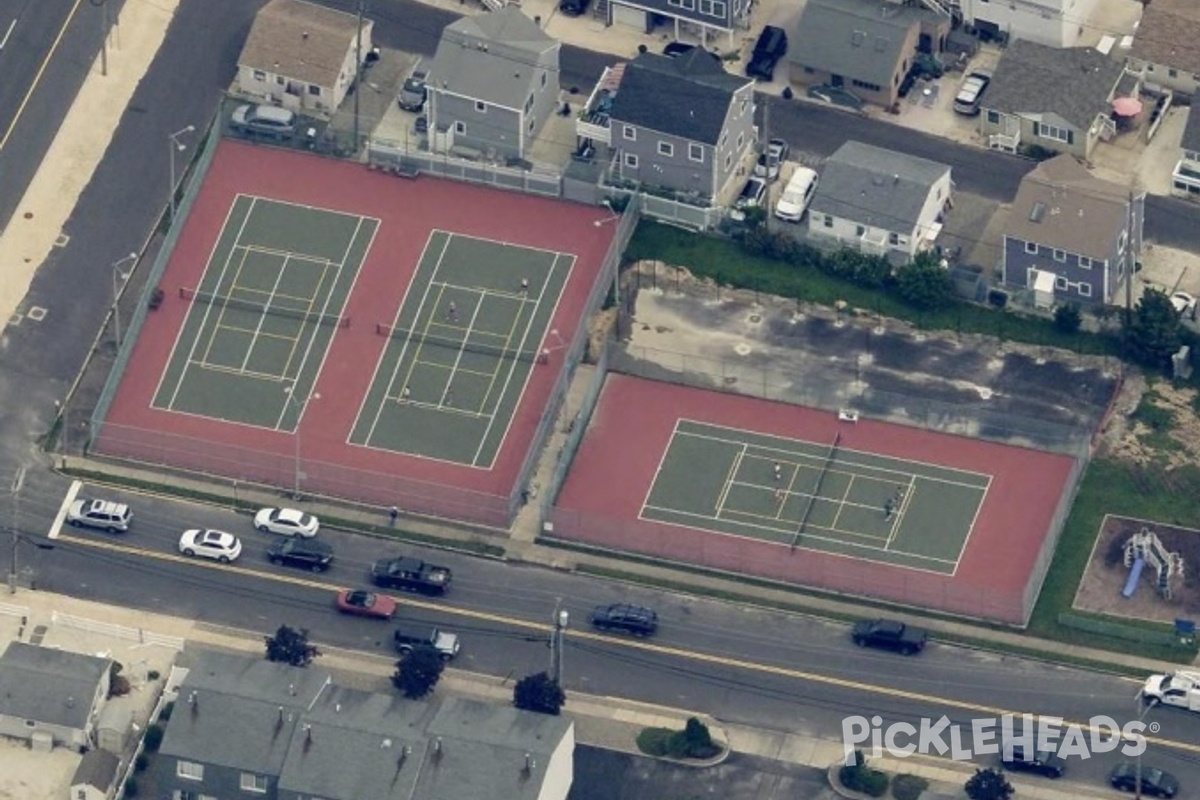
pixel 337 708
pixel 70 702
pixel 529 766
pixel 895 178
pixel 194 702
pixel 304 35
pixel 1038 213
pixel 307 737
pixel 292 689
pixel 385 744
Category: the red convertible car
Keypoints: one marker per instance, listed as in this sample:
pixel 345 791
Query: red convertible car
pixel 362 603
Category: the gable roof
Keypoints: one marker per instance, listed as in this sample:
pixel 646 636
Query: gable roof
pixel 860 39
pixel 688 96
pixel 1075 83
pixel 50 686
pixel 300 40
pixel 1169 34
pixel 1191 131
pixel 229 731
pixel 1061 205
pixel 871 185
pixel 97 768
pixel 492 57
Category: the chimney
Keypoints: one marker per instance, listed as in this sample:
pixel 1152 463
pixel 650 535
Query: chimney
pixel 307 737
pixel 304 36
pixel 529 765
pixel 292 689
pixel 404 753
pixel 194 702
pixel 436 755
pixel 337 708
pixel 896 178
pixel 70 702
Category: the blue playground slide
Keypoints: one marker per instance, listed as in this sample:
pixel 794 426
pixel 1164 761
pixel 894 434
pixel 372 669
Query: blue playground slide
pixel 1135 574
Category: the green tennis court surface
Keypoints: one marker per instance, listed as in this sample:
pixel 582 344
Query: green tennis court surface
pixel 815 495
pixel 472 328
pixel 268 305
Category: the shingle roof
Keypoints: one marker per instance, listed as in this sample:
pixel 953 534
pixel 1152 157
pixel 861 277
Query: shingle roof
pixel 688 96
pixel 253 678
pixel 1191 132
pixel 299 40
pixel 491 57
pixel 1075 83
pixel 860 39
pixel 872 185
pixel 1063 206
pixel 97 768
pixel 1169 34
pixel 51 686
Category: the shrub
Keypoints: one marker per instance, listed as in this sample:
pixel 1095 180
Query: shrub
pixel 539 692
pixel 119 687
pixel 908 787
pixel 131 787
pixel 653 741
pixel 141 762
pixel 153 675
pixel 858 777
pixel 166 712
pixel 694 741
pixel 1067 318
pixel 154 737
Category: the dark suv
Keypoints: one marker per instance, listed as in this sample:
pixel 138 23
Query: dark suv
pixel 635 620
pixel 771 46
pixel 311 554
pixel 1041 762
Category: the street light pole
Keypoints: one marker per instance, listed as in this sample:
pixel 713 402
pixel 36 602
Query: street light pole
pixel 561 619
pixel 17 482
pixel 300 406
pixel 1144 704
pixel 176 145
pixel 116 268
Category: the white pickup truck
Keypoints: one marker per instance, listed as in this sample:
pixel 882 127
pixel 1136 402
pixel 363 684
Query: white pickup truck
pixel 1180 689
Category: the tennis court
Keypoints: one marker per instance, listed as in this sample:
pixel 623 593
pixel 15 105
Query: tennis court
pixel 819 496
pixel 473 326
pixel 267 308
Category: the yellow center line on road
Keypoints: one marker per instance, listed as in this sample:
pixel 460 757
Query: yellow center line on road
pixel 38 77
pixel 675 652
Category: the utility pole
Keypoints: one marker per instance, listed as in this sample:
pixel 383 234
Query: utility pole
pixel 102 5
pixel 561 618
pixel 1130 263
pixel 358 71
pixel 17 482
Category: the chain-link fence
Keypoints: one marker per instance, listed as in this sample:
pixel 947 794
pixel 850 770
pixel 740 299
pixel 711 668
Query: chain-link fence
pixel 397 157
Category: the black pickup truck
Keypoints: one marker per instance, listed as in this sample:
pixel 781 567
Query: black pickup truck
pixel 889 635
pixel 410 575
pixel 409 637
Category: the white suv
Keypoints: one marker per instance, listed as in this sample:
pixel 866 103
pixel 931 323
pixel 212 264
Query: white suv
pixel 103 514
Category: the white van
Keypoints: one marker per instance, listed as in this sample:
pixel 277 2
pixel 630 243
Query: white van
pixel 796 195
pixel 271 121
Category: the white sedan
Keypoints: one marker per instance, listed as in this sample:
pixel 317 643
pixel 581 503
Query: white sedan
pixel 217 545
pixel 287 522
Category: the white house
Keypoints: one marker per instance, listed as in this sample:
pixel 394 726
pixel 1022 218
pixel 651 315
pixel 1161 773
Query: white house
pixel 1057 23
pixel 51 694
pixel 302 56
pixel 879 202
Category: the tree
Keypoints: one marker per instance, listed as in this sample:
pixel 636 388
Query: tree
pixel 540 693
pixel 1067 318
pixel 1153 334
pixel 925 284
pixel 989 784
pixel 418 672
pixel 291 646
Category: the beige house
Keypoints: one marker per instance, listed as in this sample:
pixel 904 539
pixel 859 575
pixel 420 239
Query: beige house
pixel 51 697
pixel 302 56
pixel 1166 49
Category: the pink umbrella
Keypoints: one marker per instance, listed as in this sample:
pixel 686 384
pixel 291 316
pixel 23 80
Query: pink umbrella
pixel 1127 106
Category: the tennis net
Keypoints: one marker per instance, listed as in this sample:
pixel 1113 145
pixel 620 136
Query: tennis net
pixel 405 335
pixel 275 310
pixel 816 491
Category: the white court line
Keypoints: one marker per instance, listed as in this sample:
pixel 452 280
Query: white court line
pixel 729 480
pixel 244 373
pixel 262 315
pixel 857 538
pixel 908 493
pixel 518 296
pixel 787 493
pixel 974 519
pixel 7 34
pixel 461 350
pixel 508 339
pixel 662 457
pixel 61 516
pixel 462 412
pixel 843 502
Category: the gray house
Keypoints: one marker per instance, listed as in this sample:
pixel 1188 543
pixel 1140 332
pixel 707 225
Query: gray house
pixel 707 19
pixel 682 124
pixel 1058 100
pixel 96 776
pixel 51 694
pixel 879 202
pixel 492 85
pixel 1071 237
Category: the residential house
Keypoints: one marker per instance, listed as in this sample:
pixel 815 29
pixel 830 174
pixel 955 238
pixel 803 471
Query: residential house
pixel 879 202
pixel 865 47
pixel 51 694
pixel 284 733
pixel 1083 231
pixel 1057 100
pixel 707 21
pixel 1054 23
pixel 492 85
pixel 681 124
pixel 96 776
pixel 1185 181
pixel 302 56
pixel 1166 47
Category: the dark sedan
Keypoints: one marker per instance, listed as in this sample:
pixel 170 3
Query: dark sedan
pixel 1155 782
pixel 311 554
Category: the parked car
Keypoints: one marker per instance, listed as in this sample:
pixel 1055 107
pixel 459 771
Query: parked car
pixel 270 121
pixel 413 92
pixel 674 49
pixel 797 194
pixel 754 193
pixel 363 603
pixel 287 522
pixel 1040 762
pixel 217 545
pixel 410 636
pixel 573 8
pixel 626 618
pixel 102 514
pixel 970 93
pixel 1155 782
pixel 1184 304
pixel 771 46
pixel 771 159
pixel 311 554
pixel 889 634
pixel 421 126
pixel 410 575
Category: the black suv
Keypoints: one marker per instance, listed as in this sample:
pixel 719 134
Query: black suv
pixel 1041 762
pixel 888 634
pixel 771 46
pixel 310 554
pixel 636 620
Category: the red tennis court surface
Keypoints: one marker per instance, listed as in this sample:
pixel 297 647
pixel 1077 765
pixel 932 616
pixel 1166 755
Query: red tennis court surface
pixel 999 572
pixel 408 211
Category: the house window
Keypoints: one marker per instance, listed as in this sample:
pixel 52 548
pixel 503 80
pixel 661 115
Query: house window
pixel 1174 73
pixel 631 160
pixel 481 106
pixel 870 87
pixel 893 238
pixel 666 149
pixel 259 75
pixel 543 79
pixel 253 783
pixel 460 127
pixel 1085 262
pixel 1060 256
pixel 728 160
pixel 1031 248
pixel 314 90
pixel 719 9
pixel 828 221
pixel 30 723
pixel 706 7
pixel 1085 289
pixel 1053 132
pixel 629 132
pixel 1060 283
pixel 528 104
pixel 279 80
pixel 859 230
pixel 531 121
pixel 1121 242
pixel 741 141
pixel 190 770
pixel 696 152
pixel 993 117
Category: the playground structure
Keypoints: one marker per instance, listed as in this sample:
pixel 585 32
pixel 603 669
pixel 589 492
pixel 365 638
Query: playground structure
pixel 1145 548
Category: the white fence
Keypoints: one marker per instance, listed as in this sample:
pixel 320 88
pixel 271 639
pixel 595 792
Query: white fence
pixel 139 635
